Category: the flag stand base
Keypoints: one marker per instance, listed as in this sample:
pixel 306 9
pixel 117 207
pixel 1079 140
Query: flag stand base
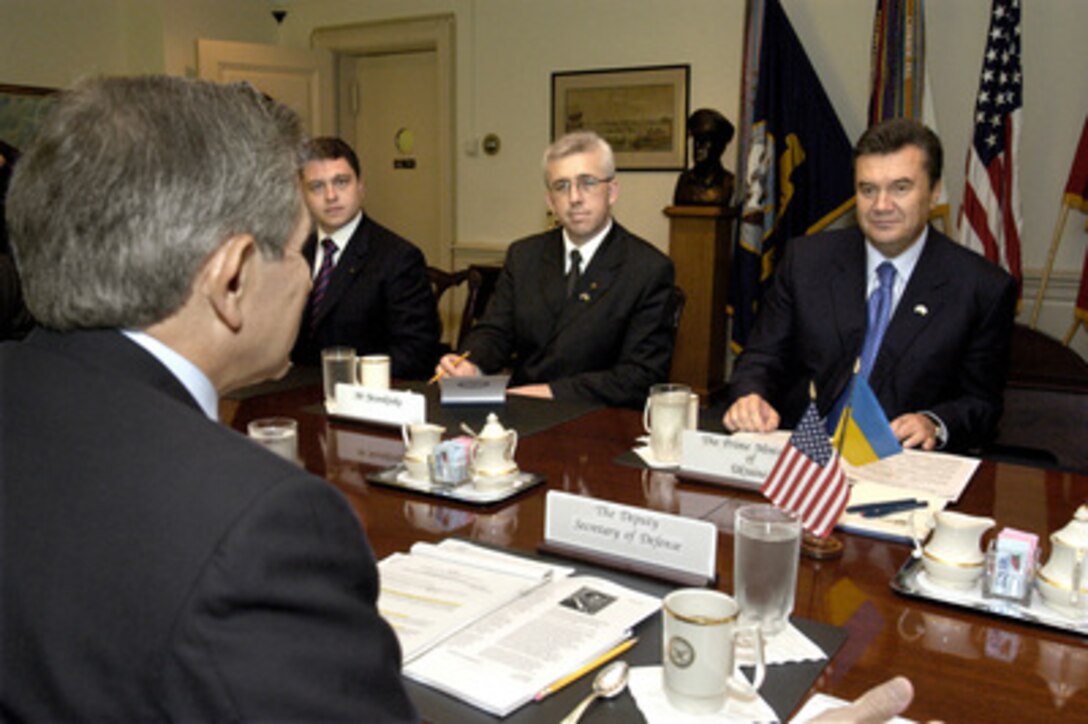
pixel 821 549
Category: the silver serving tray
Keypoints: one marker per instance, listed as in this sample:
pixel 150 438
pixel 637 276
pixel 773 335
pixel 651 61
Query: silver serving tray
pixel 911 580
pixel 397 477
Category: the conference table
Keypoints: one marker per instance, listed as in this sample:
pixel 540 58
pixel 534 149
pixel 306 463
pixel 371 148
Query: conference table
pixel 965 665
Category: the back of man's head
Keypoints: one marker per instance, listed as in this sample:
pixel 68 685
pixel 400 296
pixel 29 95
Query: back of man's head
pixel 896 134
pixel 330 148
pixel 130 185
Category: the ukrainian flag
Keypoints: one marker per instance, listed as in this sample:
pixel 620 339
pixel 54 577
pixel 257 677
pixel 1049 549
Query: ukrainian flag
pixel 863 433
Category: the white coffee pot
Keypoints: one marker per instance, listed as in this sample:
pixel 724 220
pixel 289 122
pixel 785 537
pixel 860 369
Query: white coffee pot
pixel 493 449
pixel 1063 581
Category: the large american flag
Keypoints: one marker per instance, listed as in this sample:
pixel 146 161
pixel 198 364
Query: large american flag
pixel 807 477
pixel 990 220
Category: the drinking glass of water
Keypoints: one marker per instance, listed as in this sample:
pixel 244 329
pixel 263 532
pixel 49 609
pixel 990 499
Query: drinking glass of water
pixel 767 548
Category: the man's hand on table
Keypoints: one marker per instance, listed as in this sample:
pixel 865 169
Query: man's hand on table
pixel 543 392
pixel 751 413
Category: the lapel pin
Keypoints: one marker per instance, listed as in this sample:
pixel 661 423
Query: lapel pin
pixel 593 285
pixel 921 310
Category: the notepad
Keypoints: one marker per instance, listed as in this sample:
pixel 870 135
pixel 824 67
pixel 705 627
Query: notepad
pixel 485 390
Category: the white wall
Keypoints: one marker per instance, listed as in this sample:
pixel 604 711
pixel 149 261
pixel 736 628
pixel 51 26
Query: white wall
pixel 507 49
pixel 51 43
pixel 506 53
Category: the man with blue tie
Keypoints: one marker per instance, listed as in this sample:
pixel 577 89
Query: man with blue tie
pixel 371 290
pixel 929 320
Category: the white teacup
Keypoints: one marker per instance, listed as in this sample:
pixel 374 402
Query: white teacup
pixel 701 629
pixel 666 417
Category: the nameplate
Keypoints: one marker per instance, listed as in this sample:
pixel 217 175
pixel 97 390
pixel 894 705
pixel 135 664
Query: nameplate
pixel 743 460
pixel 633 534
pixel 384 407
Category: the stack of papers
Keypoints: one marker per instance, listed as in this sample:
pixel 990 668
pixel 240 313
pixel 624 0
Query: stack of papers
pixel 493 629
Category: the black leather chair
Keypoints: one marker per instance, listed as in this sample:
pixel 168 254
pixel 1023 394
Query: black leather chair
pixel 481 285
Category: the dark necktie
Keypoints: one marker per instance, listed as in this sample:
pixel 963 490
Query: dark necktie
pixel 575 272
pixel 321 282
pixel 880 307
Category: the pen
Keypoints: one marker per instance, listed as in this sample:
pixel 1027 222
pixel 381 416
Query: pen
pixel 888 507
pixel 442 373
pixel 605 657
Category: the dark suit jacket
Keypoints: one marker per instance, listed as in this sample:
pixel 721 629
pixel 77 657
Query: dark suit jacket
pixel 946 349
pixel 157 565
pixel 15 320
pixel 608 343
pixel 379 301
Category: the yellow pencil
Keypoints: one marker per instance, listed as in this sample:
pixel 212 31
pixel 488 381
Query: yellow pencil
pixel 442 373
pixel 603 658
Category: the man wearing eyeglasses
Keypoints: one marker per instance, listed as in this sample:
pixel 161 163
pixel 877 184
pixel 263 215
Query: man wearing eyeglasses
pixel 581 311
pixel 371 290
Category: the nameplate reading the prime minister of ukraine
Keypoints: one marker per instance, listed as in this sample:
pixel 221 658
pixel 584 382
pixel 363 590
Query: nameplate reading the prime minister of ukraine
pixel 383 407
pixel 742 459
pixel 635 534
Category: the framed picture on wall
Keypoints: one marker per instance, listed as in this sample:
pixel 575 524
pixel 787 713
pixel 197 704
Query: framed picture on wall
pixel 641 112
pixel 22 109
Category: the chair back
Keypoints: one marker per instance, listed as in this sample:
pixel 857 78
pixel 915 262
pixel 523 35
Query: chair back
pixel 481 284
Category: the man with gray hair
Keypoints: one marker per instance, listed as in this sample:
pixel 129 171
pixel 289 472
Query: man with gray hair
pixel 155 564
pixel 582 311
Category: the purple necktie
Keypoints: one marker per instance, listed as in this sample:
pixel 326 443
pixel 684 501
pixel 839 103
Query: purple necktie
pixel 880 308
pixel 321 283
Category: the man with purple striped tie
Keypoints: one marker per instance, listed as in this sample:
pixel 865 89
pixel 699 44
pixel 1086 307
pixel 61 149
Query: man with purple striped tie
pixel 370 286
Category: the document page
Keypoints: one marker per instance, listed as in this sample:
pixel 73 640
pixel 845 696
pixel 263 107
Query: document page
pixel 929 473
pixel 436 590
pixel 503 660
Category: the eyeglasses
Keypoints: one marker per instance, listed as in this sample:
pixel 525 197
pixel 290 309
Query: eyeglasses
pixel 584 183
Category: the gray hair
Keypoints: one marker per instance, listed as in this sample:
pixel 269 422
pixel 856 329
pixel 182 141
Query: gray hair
pixel 579 142
pixel 132 183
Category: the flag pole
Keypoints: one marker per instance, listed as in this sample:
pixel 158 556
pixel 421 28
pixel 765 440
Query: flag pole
pixel 1055 242
pixel 812 546
pixel 846 409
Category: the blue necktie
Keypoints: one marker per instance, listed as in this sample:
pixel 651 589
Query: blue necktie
pixel 880 308
pixel 321 282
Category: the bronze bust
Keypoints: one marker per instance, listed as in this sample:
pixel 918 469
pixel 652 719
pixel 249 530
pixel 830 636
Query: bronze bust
pixel 706 183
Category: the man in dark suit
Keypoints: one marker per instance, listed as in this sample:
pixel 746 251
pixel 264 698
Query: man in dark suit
pixel 940 368
pixel 15 320
pixel 377 298
pixel 582 311
pixel 155 565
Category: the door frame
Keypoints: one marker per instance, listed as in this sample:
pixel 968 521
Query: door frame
pixel 428 33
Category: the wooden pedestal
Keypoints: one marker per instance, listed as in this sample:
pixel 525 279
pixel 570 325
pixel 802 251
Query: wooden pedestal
pixel 701 247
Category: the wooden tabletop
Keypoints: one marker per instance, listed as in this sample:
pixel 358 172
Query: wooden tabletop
pixel 965 666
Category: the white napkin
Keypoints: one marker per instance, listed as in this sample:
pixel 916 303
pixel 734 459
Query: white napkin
pixel 644 452
pixel 646 686
pixel 788 646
